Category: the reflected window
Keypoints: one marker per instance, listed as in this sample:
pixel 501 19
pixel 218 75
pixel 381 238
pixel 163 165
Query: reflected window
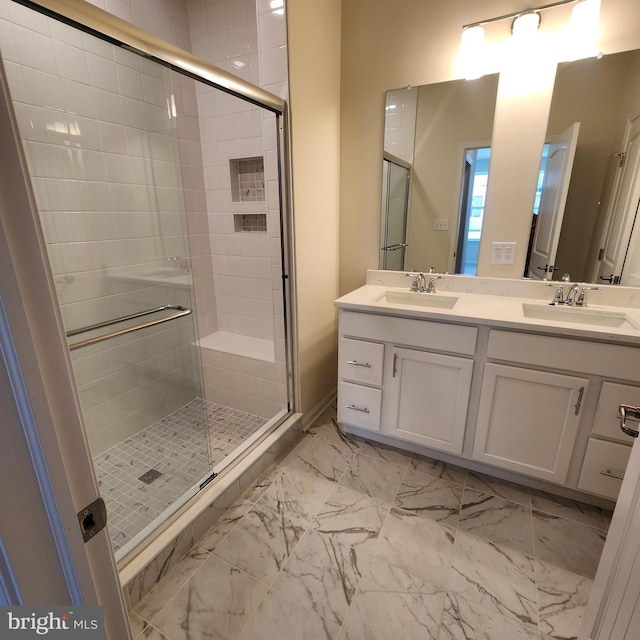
pixel 474 192
pixel 543 168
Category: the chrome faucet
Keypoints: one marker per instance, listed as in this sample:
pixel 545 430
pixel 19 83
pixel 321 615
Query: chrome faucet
pixel 570 298
pixel 419 283
pixel 576 295
pixel 431 287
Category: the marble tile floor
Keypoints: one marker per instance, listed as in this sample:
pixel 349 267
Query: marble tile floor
pixel 350 540
pixel 181 448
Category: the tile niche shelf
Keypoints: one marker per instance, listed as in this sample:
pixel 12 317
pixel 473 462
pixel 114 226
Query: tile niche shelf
pixel 250 222
pixel 247 179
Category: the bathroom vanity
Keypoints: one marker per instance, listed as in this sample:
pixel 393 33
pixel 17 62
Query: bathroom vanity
pixel 486 374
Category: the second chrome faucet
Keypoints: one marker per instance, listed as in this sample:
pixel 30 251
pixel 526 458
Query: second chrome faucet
pixel 419 283
pixel 576 295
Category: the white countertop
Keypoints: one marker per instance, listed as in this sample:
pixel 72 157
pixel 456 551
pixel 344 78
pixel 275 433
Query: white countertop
pixel 502 303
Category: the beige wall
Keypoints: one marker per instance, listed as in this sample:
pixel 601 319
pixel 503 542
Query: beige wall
pixel 314 73
pixel 420 48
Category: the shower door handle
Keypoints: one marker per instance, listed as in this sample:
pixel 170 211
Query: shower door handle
pixel 179 313
pixel 394 247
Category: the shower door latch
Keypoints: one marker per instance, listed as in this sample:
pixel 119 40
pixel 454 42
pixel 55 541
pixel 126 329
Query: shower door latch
pixel 92 519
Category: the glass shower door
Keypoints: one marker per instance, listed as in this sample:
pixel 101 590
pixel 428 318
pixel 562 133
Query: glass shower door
pixel 100 132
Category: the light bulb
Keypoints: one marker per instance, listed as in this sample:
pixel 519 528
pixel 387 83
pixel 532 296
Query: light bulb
pixel 472 53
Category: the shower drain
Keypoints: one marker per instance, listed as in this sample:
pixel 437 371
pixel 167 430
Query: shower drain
pixel 149 476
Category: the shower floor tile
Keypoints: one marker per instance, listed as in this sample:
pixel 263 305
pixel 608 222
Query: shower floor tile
pixel 173 447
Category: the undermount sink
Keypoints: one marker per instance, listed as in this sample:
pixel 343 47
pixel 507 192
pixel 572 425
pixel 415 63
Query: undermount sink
pixel 415 299
pixel 579 315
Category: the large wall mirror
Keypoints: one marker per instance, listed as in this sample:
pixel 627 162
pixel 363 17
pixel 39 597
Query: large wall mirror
pixel 436 165
pixel 588 184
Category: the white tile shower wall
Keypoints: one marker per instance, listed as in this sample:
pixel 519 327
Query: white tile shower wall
pixel 97 135
pixel 249 40
pixel 400 122
pixel 195 204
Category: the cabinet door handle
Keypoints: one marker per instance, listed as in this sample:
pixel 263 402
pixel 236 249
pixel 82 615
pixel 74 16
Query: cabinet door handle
pixel 580 394
pixel 395 364
pixel 355 363
pixel 355 408
pixel 613 473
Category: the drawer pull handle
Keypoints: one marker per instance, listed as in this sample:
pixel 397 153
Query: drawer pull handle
pixel 612 473
pixel 359 364
pixel 361 409
pixel 580 394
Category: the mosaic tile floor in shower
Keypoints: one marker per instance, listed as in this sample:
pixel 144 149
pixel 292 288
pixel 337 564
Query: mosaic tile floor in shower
pixel 174 448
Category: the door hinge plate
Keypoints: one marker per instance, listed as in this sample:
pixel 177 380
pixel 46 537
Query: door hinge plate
pixel 92 519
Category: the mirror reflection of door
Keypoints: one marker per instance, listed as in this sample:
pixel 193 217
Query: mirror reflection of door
pixel 474 189
pixel 547 221
pixel 619 259
pixel 395 200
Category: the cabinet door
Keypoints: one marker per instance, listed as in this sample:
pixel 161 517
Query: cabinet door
pixel 428 398
pixel 528 420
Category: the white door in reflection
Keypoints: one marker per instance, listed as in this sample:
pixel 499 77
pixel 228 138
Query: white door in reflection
pixel 561 151
pixel 474 189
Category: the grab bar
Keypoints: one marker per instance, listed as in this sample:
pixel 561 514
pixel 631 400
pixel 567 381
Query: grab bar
pixel 181 312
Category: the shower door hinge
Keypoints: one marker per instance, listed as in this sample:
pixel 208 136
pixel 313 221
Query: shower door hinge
pixel 92 519
pixel 208 480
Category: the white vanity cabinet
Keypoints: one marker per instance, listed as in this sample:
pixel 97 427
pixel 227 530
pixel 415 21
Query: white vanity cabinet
pixel 360 368
pixel 428 397
pixel 608 449
pixel 529 417
pixel 528 420
pixel 396 380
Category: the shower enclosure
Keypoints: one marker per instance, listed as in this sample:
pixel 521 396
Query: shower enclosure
pixel 158 184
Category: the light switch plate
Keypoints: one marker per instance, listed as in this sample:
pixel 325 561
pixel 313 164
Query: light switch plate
pixel 503 252
pixel 442 224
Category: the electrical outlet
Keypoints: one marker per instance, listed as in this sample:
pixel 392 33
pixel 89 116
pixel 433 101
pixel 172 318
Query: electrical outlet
pixel 442 224
pixel 503 252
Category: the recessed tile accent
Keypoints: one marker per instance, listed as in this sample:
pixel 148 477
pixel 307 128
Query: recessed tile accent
pixel 250 222
pixel 247 179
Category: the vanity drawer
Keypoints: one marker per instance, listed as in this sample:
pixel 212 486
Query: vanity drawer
pixel 607 360
pixel 359 406
pixel 361 361
pixel 607 423
pixel 421 334
pixel 602 461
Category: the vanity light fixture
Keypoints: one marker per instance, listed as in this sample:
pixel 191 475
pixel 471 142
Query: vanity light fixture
pixel 580 35
pixel 472 49
pixel 525 26
pixel 583 30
